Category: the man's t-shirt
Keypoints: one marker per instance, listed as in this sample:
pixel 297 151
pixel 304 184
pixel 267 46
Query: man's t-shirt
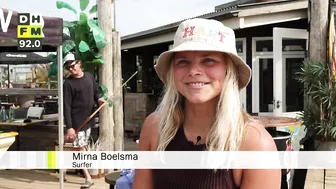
pixel 80 96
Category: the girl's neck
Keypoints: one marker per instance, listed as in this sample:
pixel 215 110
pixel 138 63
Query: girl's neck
pixel 199 117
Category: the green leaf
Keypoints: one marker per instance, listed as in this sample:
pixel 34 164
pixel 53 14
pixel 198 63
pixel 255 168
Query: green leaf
pixel 98 61
pixel 54 66
pixel 80 34
pixel 68 45
pixel 83 18
pixel 93 9
pixel 110 103
pixel 95 22
pixel 53 69
pixel 72 32
pixel 83 46
pixel 104 89
pixel 83 4
pixel 52 57
pixel 333 131
pixel 98 34
pixel 100 42
pixel 97 55
pixel 62 4
pixel 68 24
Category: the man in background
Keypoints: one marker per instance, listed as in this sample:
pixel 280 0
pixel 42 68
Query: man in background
pixel 80 93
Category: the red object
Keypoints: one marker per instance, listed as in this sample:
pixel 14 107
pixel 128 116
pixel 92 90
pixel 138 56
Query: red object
pixel 289 148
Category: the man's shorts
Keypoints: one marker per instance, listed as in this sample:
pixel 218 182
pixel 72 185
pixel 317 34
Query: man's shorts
pixel 82 138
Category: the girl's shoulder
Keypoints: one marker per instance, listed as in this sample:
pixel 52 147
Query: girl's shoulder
pixel 257 138
pixel 149 133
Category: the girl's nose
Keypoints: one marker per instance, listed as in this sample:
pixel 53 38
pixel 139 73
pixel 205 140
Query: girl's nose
pixel 195 69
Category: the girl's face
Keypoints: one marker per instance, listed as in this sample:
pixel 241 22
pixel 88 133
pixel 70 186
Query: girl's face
pixel 199 75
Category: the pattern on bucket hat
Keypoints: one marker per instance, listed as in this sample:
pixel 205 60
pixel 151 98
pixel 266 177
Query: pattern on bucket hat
pixel 204 35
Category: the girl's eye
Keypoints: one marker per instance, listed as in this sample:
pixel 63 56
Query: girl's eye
pixel 208 61
pixel 181 62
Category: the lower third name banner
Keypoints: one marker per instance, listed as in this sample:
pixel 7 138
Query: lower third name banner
pixel 167 160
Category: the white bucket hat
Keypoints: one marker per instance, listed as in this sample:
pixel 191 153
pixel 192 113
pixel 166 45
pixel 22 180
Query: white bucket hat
pixel 204 35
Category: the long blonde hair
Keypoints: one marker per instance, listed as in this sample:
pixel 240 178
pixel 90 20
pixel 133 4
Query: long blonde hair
pixel 228 128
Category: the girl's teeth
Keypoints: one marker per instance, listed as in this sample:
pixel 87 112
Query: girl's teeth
pixel 196 84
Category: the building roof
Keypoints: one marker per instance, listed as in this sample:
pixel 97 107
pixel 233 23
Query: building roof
pixel 227 10
pixel 232 4
pixel 174 25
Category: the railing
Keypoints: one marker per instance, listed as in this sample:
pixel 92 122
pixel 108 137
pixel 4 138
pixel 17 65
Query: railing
pixel 28 91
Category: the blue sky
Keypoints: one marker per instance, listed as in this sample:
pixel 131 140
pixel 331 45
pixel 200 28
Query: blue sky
pixel 131 15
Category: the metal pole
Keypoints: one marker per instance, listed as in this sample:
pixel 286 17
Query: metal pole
pixel 60 109
pixel 114 15
pixel 8 78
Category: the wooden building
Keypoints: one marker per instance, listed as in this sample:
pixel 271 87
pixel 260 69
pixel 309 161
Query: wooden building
pixel 271 36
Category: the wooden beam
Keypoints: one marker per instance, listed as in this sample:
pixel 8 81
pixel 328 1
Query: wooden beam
pixel 318 30
pixel 106 122
pixel 118 112
pixel 272 8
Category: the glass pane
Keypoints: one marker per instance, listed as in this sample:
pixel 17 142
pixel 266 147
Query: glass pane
pixel 266 85
pixel 294 89
pixel 294 45
pixel 264 46
pixel 239 46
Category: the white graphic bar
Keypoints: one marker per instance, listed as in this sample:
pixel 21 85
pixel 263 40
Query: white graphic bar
pixel 168 160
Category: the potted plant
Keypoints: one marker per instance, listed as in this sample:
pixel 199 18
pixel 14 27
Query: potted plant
pixel 97 145
pixel 319 114
pixel 83 37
